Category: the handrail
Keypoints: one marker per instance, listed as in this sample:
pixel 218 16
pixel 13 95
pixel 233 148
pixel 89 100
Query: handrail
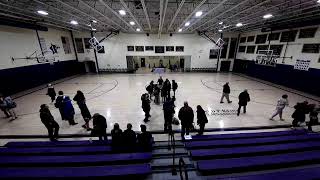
pixel 173 146
pixel 182 164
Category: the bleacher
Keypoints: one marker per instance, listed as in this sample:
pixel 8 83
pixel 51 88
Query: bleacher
pixel 253 155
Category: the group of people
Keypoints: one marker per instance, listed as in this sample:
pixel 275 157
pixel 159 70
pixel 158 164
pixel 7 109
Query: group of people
pixel 7 106
pixel 300 112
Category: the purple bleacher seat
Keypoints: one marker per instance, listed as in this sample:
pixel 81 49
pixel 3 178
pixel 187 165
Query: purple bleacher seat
pixel 303 173
pixel 253 150
pixel 58 143
pixel 76 172
pixel 56 150
pixel 245 164
pixel 247 135
pixel 74 160
pixel 250 141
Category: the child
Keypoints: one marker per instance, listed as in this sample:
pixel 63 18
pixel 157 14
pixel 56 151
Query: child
pixel 281 104
pixel 51 92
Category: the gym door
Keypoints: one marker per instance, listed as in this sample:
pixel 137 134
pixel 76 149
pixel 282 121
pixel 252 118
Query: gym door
pixel 181 63
pixel 143 62
pixel 225 66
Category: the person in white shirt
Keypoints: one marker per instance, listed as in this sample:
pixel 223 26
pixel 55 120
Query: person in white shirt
pixel 281 104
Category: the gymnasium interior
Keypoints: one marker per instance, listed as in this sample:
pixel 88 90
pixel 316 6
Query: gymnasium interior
pixel 111 50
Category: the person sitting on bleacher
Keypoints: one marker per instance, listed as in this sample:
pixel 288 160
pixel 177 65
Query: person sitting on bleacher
pixel 99 126
pixel 144 139
pixel 49 122
pixel 129 138
pixel 116 134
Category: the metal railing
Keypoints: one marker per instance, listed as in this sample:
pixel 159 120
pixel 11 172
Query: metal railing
pixel 183 170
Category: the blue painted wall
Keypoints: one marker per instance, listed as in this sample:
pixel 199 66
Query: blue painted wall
pixel 21 78
pixel 306 81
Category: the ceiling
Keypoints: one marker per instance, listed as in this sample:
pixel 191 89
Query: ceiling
pixel 162 16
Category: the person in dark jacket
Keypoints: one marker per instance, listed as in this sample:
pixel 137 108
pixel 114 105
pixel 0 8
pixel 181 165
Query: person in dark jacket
pixel 313 115
pixel 99 126
pixel 225 93
pixel 51 92
pixel 160 81
pixel 163 93
pixel 244 98
pixel 299 114
pixel 150 89
pixel 186 117
pixel 49 122
pixel 9 106
pixel 156 94
pixel 174 87
pixel 202 119
pixel 129 137
pixel 59 104
pixel 3 107
pixel 167 86
pixel 146 106
pixel 144 139
pixel 168 112
pixel 68 110
pixel 81 101
pixel 117 137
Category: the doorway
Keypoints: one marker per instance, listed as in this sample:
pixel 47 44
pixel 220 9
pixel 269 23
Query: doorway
pixel 182 63
pixel 225 66
pixel 143 62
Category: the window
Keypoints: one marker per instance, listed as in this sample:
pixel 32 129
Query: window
pixel 288 36
pixel 130 48
pixel 242 49
pixel 149 48
pixel 307 33
pixel 250 38
pixel 101 51
pixel 273 36
pixel 179 48
pixel 214 54
pixel 79 45
pixel 224 51
pixel 261 39
pixel 232 47
pixel 139 48
pixel 226 41
pixel 250 49
pixel 87 45
pixel 243 39
pixel 277 49
pixel 311 48
pixel 159 49
pixel 169 48
pixel 66 45
pixel 262 47
pixel 43 45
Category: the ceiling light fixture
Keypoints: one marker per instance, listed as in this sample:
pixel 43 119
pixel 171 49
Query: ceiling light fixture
pixel 318 1
pixel 221 23
pixel 239 24
pixel 220 30
pixel 74 22
pixel 93 29
pixel 187 23
pixel 267 16
pixel 94 21
pixel 132 23
pixel 138 29
pixel 122 12
pixel 180 30
pixel 42 12
pixel 198 14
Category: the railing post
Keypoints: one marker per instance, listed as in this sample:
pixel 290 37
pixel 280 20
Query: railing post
pixel 182 164
pixel 174 171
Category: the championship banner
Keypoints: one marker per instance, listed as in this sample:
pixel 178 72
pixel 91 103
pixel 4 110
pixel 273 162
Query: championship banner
pixel 302 65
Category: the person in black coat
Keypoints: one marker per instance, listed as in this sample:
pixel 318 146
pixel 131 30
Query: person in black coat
pixel 313 115
pixel 49 122
pixel 186 117
pixel 160 81
pixel 299 114
pixel 149 89
pixel 129 137
pixel 202 119
pixel 146 106
pixel 168 112
pixel 174 87
pixel 99 127
pixel 59 104
pixel 156 93
pixel 244 98
pixel 144 139
pixel 81 101
pixel 167 86
pixel 51 92
pixel 3 107
pixel 225 93
pixel 116 134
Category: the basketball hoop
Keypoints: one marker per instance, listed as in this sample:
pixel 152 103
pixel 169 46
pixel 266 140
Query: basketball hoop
pixel 95 44
pixel 220 43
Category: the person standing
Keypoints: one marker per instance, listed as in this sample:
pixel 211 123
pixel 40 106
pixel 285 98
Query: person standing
pixel 313 115
pixel 160 81
pixel 129 138
pixel 81 101
pixel 3 107
pixel 156 94
pixel 99 127
pixel 163 93
pixel 59 103
pixel 9 106
pixel 244 98
pixel 51 92
pixel 299 114
pixel 225 93
pixel 168 112
pixel 149 89
pixel 144 139
pixel 281 104
pixel 167 86
pixel 202 119
pixel 49 122
pixel 174 87
pixel 117 137
pixel 186 117
pixel 146 106
pixel 68 110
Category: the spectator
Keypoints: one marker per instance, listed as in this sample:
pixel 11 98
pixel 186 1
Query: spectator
pixel 81 101
pixel 160 81
pixel 299 114
pixel 186 117
pixel 149 89
pixel 51 92
pixel 99 127
pixel 49 122
pixel 244 98
pixel 116 134
pixel 9 105
pixel 59 103
pixel 129 137
pixel 168 112
pixel 144 139
pixel 313 116
pixel 68 110
pixel 281 104
pixel 167 86
pixel 202 119
pixel 156 94
pixel 3 107
pixel 225 93
pixel 174 87
pixel 146 106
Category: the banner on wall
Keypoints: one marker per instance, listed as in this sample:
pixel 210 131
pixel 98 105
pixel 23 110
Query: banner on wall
pixel 302 65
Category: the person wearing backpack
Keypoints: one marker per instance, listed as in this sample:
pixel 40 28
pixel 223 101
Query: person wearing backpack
pixel 9 105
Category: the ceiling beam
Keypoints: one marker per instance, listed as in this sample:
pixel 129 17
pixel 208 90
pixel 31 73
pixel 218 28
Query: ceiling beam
pixel 164 16
pixel 160 19
pixel 176 14
pixel 194 10
pixel 130 13
pixel 146 13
